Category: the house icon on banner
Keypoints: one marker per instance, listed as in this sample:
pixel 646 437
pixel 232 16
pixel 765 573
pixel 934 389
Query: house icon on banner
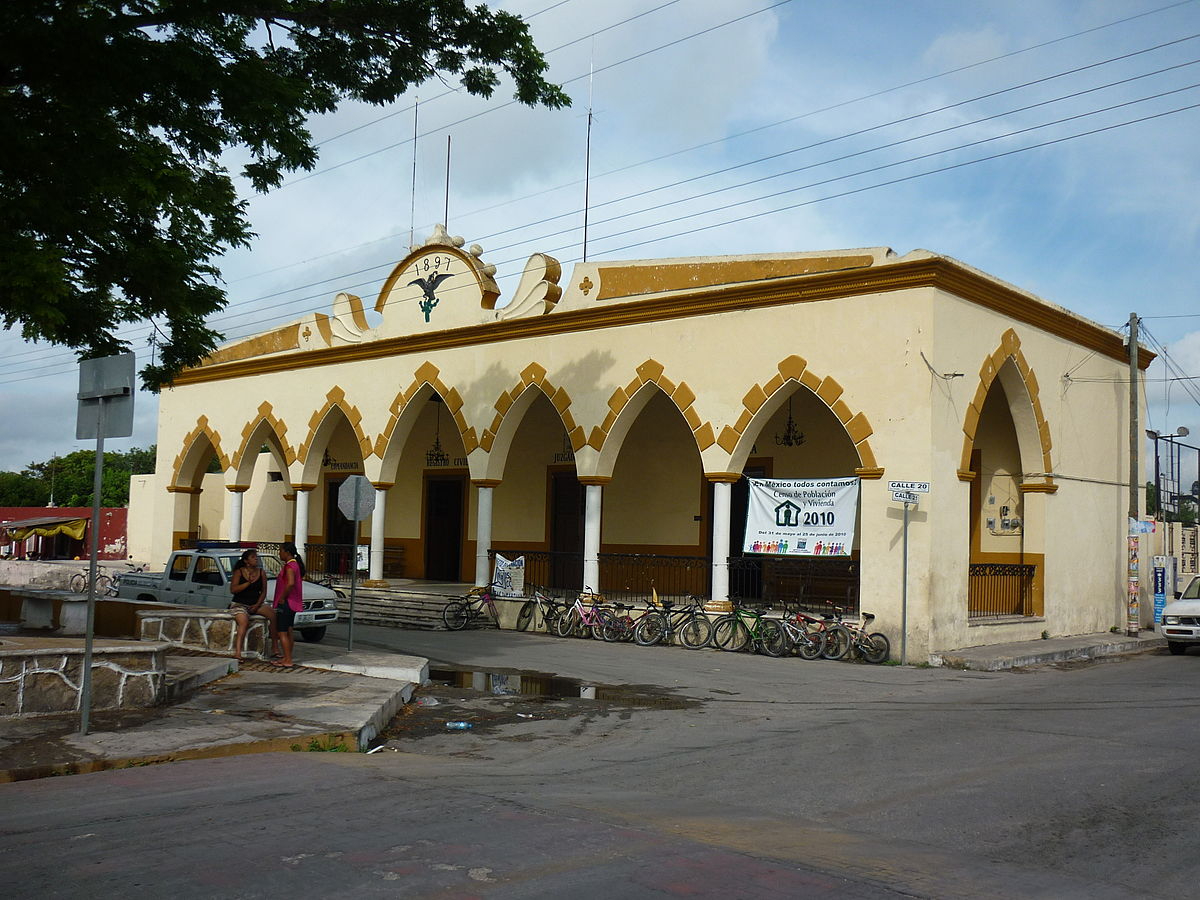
pixel 787 514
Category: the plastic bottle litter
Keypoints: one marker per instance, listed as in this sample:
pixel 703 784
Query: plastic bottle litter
pixel 458 726
pixel 427 701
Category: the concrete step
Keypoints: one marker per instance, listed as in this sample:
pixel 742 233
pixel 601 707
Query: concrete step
pixel 187 674
pixel 397 610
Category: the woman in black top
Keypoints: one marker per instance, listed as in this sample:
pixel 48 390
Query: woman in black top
pixel 249 589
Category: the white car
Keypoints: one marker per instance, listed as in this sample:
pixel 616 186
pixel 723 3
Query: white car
pixel 1181 619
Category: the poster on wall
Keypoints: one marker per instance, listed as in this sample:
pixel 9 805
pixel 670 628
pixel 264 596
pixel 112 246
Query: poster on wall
pixel 801 516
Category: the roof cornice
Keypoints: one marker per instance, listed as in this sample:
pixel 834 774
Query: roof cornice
pixel 935 272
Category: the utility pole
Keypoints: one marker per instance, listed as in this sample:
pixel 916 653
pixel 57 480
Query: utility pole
pixel 1133 610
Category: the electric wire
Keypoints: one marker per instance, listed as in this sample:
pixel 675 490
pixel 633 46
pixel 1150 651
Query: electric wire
pixel 383 265
pixel 949 167
pixel 496 108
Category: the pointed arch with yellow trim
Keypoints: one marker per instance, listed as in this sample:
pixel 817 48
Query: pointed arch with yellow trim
pixel 761 399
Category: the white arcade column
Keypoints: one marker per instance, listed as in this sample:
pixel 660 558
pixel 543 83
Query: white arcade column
pixel 722 492
pixel 378 525
pixel 483 530
pixel 236 493
pixel 593 502
pixel 302 494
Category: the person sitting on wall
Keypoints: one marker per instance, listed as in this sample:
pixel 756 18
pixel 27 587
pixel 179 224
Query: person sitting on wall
pixel 249 589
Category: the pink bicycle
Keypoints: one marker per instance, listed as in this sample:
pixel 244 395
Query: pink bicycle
pixel 584 621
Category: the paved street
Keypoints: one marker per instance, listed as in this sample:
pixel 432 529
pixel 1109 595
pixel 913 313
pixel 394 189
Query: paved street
pixel 783 778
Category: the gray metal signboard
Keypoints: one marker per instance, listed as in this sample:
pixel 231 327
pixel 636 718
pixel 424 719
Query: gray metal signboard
pixel 108 380
pixel 356 498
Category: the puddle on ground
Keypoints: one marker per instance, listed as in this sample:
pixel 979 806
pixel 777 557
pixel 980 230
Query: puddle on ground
pixel 525 684
pixel 488 699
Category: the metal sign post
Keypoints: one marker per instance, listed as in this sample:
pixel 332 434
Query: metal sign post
pixel 356 500
pixel 105 410
pixel 908 493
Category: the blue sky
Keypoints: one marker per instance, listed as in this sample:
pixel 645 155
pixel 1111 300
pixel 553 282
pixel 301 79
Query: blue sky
pixel 1103 224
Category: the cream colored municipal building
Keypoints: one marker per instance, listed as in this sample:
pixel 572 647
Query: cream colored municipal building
pixel 600 422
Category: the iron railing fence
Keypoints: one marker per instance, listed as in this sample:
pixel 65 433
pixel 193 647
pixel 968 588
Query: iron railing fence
pixel 999 589
pixel 637 577
pixel 623 576
pixel 815 584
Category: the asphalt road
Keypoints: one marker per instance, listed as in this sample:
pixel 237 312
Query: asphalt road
pixel 753 778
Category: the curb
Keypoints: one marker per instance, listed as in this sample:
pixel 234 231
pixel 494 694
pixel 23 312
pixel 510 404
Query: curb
pixel 87 766
pixel 954 660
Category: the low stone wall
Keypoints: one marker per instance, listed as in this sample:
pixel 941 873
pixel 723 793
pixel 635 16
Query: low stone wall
pixel 45 675
pixel 209 630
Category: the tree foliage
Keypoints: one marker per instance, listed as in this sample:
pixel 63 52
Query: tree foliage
pixel 114 201
pixel 69 479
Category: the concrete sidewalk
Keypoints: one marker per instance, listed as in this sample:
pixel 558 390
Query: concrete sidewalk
pixel 998 657
pixel 332 699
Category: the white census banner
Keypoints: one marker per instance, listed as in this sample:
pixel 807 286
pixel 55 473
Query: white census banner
pixel 801 516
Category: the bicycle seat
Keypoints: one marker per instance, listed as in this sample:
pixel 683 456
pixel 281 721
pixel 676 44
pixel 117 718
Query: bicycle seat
pixel 666 604
pixel 867 617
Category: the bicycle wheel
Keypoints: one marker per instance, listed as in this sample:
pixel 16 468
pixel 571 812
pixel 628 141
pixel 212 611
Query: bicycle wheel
pixel 772 639
pixel 564 625
pixel 525 615
pixel 650 629
pixel 456 615
pixel 603 618
pixel 696 632
pixel 103 585
pixel 875 647
pixel 730 633
pixel 837 642
pixel 114 586
pixel 79 582
pixel 618 628
pixel 809 644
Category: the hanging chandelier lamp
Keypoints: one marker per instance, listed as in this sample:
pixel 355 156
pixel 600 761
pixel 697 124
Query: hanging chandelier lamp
pixel 792 436
pixel 435 456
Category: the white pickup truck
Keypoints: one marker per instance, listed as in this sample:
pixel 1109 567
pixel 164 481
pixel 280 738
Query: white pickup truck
pixel 1181 619
pixel 201 578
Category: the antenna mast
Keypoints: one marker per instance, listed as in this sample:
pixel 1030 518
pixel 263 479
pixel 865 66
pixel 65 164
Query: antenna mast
pixel 412 207
pixel 587 152
pixel 446 214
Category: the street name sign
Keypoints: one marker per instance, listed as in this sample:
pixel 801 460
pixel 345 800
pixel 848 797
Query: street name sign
pixel 918 487
pixel 906 497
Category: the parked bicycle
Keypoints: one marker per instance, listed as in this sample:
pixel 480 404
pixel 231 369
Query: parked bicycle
pixel 621 624
pixel 747 627
pixel 873 648
pixel 806 634
pixel 690 622
pixel 104 584
pixel 584 621
pixel 479 603
pixel 540 606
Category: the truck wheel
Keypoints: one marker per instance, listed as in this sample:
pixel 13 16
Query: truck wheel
pixel 1177 648
pixel 313 635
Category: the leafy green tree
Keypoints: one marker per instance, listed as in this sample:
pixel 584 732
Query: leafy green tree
pixel 71 477
pixel 114 200
pixel 19 489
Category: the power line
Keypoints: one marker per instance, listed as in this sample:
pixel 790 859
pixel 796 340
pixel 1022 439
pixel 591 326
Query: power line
pixel 864 188
pixel 759 128
pixel 507 104
pixel 338 277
